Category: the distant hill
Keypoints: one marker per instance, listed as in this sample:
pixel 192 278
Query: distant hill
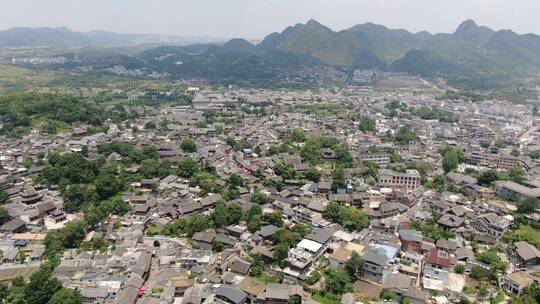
pixel 472 56
pixel 63 37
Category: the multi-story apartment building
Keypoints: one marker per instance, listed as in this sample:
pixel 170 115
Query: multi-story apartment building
pixel 380 159
pixel 409 179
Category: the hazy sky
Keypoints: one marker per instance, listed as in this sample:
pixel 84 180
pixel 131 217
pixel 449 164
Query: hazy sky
pixel 256 18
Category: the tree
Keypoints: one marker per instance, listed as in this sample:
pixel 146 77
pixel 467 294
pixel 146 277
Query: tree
pixel 477 273
pixel 492 258
pixel 107 185
pixel 220 216
pixel 4 216
pixel 343 155
pixel 395 157
pixel 197 223
pixel 367 124
pixel 4 292
pixel 499 143
pixel 353 219
pixel 188 145
pixel 66 296
pixel 517 174
pixel 333 212
pixel 432 230
pixel 528 205
pixel 339 180
pixel 487 178
pixel 235 181
pixel 259 198
pixel 150 125
pixel 285 171
pixel 235 213
pixel 274 218
pixel 337 281
pixel 187 167
pixel 354 266
pixel 149 168
pixel 485 143
pixel 255 210
pixel 405 135
pixel 204 180
pixel 75 196
pixel 217 246
pixel 254 223
pixel 4 197
pixel 164 124
pixel 297 135
pixel 231 141
pixel 459 268
pixel 313 175
pixel 450 160
pixel 438 182
pixel 388 295
pixel 41 286
pixel 21 256
pixel 313 277
pixel 350 217
pixel 280 254
pixel 257 266
pixel 371 169
pixel 294 299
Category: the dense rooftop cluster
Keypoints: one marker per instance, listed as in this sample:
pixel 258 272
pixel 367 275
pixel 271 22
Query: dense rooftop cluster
pixel 263 196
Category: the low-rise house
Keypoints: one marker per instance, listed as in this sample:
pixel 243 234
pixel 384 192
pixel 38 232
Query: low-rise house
pixel 516 282
pixel 226 240
pixel 236 231
pixel 240 267
pixel 527 254
pixel 376 259
pixel 231 295
pixel 191 258
pixel 339 257
pixel 388 209
pixel 398 283
pixel 367 289
pixel 304 215
pixel 266 233
pixel 450 221
pixel 465 254
pixel 13 226
pixel 461 179
pixel 438 259
pixel 491 224
pixel 281 293
pixel 253 288
pixel 203 239
pixel 446 245
pixel 181 284
pixel 411 240
pixel 510 189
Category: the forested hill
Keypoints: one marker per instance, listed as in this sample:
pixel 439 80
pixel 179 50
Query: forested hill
pixel 473 55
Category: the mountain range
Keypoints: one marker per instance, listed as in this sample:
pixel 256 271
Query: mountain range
pixel 64 37
pixel 472 56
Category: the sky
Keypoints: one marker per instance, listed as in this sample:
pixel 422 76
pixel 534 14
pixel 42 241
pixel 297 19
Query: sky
pixel 254 19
